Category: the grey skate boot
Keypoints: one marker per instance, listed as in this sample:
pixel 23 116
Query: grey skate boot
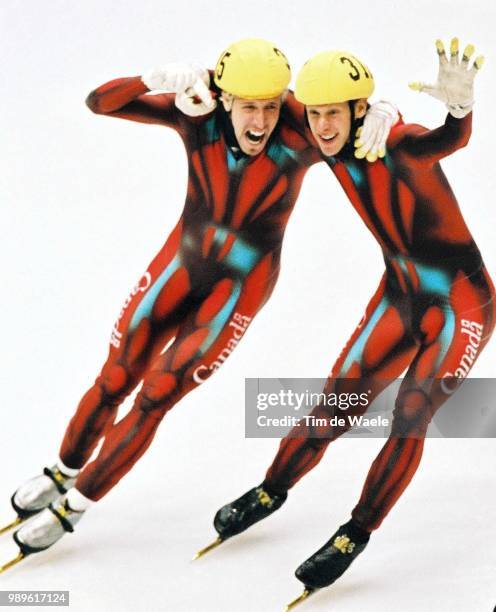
pixel 37 493
pixel 44 530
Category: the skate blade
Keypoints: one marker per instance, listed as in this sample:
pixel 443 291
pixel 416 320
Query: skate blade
pixel 305 595
pixel 10 526
pixel 208 548
pixel 13 562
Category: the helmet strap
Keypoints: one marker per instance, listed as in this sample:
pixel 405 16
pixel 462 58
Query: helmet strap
pixel 355 122
pixel 349 148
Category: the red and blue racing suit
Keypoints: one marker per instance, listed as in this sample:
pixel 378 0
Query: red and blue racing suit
pixel 202 290
pixel 431 315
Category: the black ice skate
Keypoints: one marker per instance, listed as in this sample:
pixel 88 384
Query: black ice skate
pixel 235 517
pixel 331 561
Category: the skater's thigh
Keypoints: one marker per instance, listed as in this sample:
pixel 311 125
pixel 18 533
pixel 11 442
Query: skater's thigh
pixel 151 314
pixel 205 338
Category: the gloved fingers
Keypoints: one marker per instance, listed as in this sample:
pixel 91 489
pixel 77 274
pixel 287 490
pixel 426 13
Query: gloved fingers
pixel 154 79
pixel 368 131
pixel 370 142
pixel 185 80
pixel 441 52
pixel 382 137
pixel 372 155
pixel 363 134
pixel 180 76
pixel 175 77
pixel 201 90
pixel 454 51
pixel 358 133
pixel 184 101
pixel 377 139
pixel 467 54
pixel 367 138
pixel 422 87
pixel 477 65
pixel 187 105
pixel 378 149
pixel 360 153
pixel 366 149
pixel 360 150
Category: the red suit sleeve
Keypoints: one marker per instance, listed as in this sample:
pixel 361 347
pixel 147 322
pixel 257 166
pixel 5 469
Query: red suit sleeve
pixel 129 98
pixel 430 146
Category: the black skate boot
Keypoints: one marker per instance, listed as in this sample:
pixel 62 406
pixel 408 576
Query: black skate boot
pixel 235 517
pixel 331 561
pixel 255 505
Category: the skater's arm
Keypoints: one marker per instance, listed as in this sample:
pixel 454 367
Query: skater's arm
pixel 293 113
pixel 129 98
pixel 430 146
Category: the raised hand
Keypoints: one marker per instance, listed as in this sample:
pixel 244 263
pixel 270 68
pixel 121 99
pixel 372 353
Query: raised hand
pixel 455 79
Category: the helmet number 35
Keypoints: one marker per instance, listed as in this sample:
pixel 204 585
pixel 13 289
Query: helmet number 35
pixel 221 65
pixel 281 54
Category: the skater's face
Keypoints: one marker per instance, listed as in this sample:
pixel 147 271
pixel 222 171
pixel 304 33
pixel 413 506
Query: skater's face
pixel 331 124
pixel 253 122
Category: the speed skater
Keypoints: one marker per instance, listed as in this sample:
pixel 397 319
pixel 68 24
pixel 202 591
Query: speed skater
pixel 435 289
pixel 203 289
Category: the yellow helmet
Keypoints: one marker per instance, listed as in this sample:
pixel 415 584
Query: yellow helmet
pixel 331 77
pixel 254 69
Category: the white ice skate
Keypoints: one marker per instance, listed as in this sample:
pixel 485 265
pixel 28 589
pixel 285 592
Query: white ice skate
pixel 44 530
pixel 37 493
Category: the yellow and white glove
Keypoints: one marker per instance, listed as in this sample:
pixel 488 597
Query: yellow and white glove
pixel 455 79
pixel 372 136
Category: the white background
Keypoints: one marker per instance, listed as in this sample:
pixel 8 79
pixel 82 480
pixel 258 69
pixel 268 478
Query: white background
pixel 87 202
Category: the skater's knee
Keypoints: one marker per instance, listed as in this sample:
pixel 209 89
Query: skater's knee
pixel 113 380
pixel 412 414
pixel 157 393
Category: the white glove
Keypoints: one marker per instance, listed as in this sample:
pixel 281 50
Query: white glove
pixel 372 136
pixel 455 80
pixel 196 100
pixel 174 77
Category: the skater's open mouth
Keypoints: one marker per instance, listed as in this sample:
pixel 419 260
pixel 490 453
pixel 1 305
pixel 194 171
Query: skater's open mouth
pixel 328 137
pixel 254 136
